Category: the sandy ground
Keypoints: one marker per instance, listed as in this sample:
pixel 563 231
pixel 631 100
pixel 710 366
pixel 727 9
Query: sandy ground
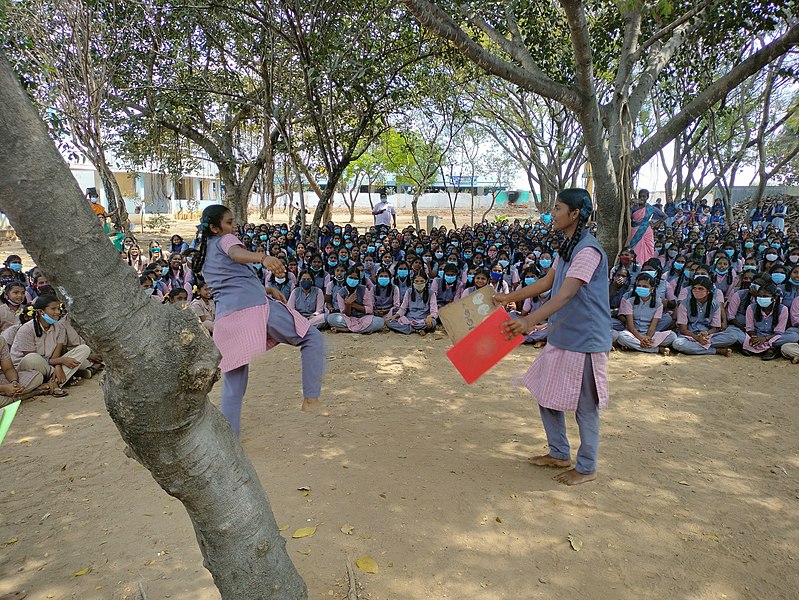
pixel 697 497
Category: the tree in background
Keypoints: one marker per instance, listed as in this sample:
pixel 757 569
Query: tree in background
pixel 602 59
pixel 70 52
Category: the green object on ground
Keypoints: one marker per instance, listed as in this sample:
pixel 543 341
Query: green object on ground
pixel 8 414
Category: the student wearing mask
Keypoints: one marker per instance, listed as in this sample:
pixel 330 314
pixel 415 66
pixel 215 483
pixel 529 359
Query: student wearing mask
pixel 355 304
pixel 418 311
pixel 766 324
pixel 699 323
pixel 642 311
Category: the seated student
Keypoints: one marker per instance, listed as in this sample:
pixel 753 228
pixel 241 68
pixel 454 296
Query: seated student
pixel 642 311
pixel 309 300
pixel 40 342
pixel 619 284
pixel 177 296
pixel 778 274
pixel 12 299
pixel 653 269
pixel 320 278
pixel 135 259
pixel 509 272
pixel 497 279
pixel 402 278
pixel 699 323
pixel 741 299
pixel 723 277
pixel 355 304
pixel 335 283
pixel 676 278
pixel 418 311
pixel 17 385
pixel 386 295
pixel 446 286
pixel 481 278
pixel 791 287
pixel 177 275
pixel 766 324
pixel 538 335
pixel 203 305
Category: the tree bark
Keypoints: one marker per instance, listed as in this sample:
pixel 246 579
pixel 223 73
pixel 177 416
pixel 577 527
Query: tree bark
pixel 163 416
pixel 116 203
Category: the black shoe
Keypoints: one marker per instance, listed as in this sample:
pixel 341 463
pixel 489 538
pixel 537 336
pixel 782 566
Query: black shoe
pixel 746 352
pixel 769 354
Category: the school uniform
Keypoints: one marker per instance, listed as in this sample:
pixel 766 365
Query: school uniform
pixel 791 293
pixel 8 316
pixel 643 313
pixel 357 321
pixel 9 334
pixel 737 305
pixel 571 372
pixel 445 292
pixel 249 323
pixel 332 289
pixel 386 298
pixel 766 326
pixel 530 305
pixel 29 379
pixel 284 288
pixel 698 323
pixel 310 305
pixel 413 311
pixel 32 352
pixel 205 311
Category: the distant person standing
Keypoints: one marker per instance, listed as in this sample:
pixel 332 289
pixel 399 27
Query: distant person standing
pixel 642 238
pixel 778 214
pixel 384 213
pixel 94 199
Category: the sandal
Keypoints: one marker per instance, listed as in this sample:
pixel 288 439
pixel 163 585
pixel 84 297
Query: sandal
pixel 56 392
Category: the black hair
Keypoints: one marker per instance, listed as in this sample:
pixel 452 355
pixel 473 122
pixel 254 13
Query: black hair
pixel 575 199
pixel 776 306
pixel 484 272
pixel 173 293
pixel 212 215
pixel 41 303
pixel 452 269
pixel 652 284
pixel 426 293
pixel 9 286
pixel 705 281
pixel 390 287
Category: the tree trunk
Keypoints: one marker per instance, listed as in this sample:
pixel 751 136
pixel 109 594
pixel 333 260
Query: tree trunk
pixel 414 203
pixel 116 203
pixel 236 202
pixel 490 207
pixel 163 416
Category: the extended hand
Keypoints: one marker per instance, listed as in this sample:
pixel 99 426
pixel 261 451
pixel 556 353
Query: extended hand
pixel 500 299
pixel 274 264
pixel 513 327
pixel 276 294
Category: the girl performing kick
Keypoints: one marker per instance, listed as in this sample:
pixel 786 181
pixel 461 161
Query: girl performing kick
pixel 248 322
pixel 571 373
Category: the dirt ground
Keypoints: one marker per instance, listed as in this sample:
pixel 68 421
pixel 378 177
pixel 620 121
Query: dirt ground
pixel 697 496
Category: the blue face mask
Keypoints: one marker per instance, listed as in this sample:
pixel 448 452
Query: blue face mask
pixel 496 276
pixel 264 238
pixel 729 252
pixel 764 302
pixel 530 280
pixel 280 280
pixel 749 268
pixel 455 244
pixel 352 282
pixel 775 245
pixel 332 263
pixel 306 285
pixel 402 273
pixel 720 272
pixel 336 242
pixel 761 247
pixel 643 292
pixel 679 266
pixel 441 272
pixel 650 273
pixel 503 263
pixel 450 278
pixel 672 253
pixel 470 279
pixel 537 253
pixel 348 245
pixel 16 267
pixel 439 255
pixel 384 281
pixel 667 245
pixel 164 271
pixel 48 319
pixel 467 255
pixel 778 278
pixel 755 286
pixel 749 245
pixel 545 263
pixel 793 281
pixel 370 249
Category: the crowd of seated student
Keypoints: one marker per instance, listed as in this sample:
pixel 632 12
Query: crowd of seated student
pixel 711 287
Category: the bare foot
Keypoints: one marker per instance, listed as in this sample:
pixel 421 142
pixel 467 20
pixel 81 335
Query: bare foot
pixel 422 332
pixel 574 477
pixel 723 351
pixel 313 406
pixel 664 351
pixel 795 360
pixel 545 460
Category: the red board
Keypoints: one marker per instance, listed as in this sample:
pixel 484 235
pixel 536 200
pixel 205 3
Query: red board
pixel 483 347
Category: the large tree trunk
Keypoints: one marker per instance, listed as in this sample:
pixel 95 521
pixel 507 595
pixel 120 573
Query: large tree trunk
pixel 160 407
pixel 236 201
pixel 414 203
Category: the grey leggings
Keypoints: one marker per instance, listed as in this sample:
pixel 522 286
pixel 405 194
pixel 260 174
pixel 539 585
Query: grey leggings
pixel 282 330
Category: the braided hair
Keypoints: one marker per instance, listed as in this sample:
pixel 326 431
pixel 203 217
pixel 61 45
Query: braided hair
pixel 776 306
pixel 575 199
pixel 705 282
pixel 653 286
pixel 212 215
pixel 39 305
